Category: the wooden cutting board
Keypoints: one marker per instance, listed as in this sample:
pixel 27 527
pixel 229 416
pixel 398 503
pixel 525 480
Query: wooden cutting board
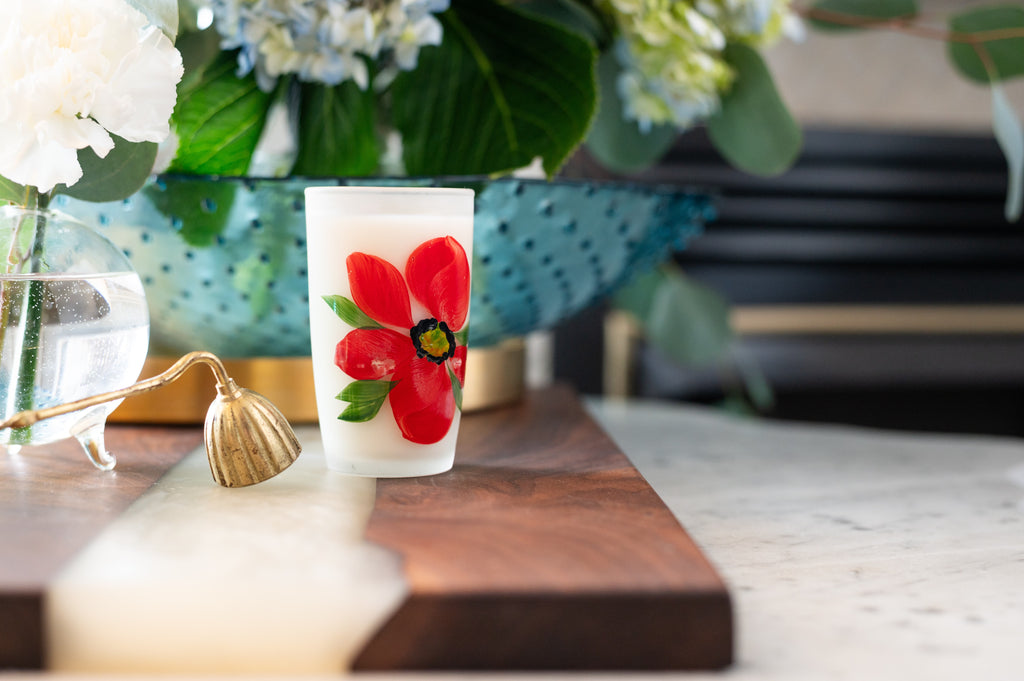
pixel 542 549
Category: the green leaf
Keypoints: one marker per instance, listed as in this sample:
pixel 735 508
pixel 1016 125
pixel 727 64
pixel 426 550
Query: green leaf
pixel 118 175
pixel 201 208
pixel 754 130
pixel 161 13
pixel 572 15
pixel 367 397
pixel 688 322
pixel 350 313
pixel 863 12
pixel 616 142
pixel 1006 56
pixel 198 50
pixel 505 87
pixel 456 388
pixel 462 336
pixel 1010 136
pixel 11 192
pixel 337 131
pixel 219 118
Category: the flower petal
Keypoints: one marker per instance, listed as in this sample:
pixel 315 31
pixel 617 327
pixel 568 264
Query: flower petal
pixel 379 290
pixel 422 401
pixel 370 354
pixel 438 276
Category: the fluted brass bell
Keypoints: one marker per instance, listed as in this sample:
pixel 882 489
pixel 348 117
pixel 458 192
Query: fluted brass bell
pixel 247 438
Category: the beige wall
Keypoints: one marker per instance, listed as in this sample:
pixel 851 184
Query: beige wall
pixel 878 78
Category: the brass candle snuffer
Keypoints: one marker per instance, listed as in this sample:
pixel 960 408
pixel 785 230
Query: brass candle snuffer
pixel 247 438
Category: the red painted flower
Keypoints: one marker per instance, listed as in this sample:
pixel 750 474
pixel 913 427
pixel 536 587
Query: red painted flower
pixel 419 362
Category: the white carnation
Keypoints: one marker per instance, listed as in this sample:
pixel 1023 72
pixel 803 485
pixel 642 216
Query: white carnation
pixel 72 73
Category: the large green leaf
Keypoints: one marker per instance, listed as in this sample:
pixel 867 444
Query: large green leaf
pixel 503 88
pixel 11 192
pixel 573 15
pixel 616 141
pixel 161 13
pixel 218 119
pixel 118 175
pixel 1006 55
pixel 845 15
pixel 337 131
pixel 754 130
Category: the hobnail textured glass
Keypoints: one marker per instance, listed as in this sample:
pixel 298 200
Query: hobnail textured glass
pixel 223 260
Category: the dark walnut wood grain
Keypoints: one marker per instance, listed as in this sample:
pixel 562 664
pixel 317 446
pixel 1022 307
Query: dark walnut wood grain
pixel 53 502
pixel 543 548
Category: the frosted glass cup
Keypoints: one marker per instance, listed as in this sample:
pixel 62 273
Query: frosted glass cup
pixel 389 283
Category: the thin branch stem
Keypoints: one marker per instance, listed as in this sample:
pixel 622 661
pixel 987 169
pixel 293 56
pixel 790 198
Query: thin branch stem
pixel 908 25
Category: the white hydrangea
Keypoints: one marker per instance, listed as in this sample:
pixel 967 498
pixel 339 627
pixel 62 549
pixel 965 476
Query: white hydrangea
pixel 72 73
pixel 673 71
pixel 327 41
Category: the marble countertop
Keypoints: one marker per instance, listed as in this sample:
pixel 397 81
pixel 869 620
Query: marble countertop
pixel 850 553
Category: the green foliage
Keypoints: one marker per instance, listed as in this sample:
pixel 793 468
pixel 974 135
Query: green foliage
pixel 873 11
pixel 118 175
pixel 350 313
pixel 202 208
pixel 1005 57
pixel 336 131
pixel 11 192
pixel 161 13
pixel 572 15
pixel 456 388
pixel 615 141
pixel 1010 137
pixel 686 321
pixel 754 130
pixel 366 397
pixel 218 119
pixel 502 89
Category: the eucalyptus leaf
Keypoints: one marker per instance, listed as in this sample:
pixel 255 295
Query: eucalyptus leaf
pixel 1007 128
pixel 337 131
pixel 366 397
pixel 350 313
pixel 161 13
pixel 505 88
pixel 873 11
pixel 218 119
pixel 118 175
pixel 754 130
pixel 615 141
pixel 1006 56
pixel 11 192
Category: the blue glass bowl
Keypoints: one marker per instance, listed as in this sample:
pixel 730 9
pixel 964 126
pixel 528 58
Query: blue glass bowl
pixel 223 260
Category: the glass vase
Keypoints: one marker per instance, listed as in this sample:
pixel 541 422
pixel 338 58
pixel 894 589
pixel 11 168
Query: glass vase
pixel 73 323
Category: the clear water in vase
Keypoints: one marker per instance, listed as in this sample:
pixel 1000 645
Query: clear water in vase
pixel 93 335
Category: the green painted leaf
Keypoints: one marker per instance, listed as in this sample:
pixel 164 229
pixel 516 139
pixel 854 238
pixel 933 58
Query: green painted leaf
pixel 201 208
pixel 1006 56
pixel 462 336
pixel 456 388
pixel 337 131
pixel 754 130
pixel 1010 136
pixel 11 192
pixel 872 10
pixel 505 88
pixel 218 119
pixel 350 313
pixel 366 397
pixel 616 142
pixel 118 175
pixel 161 13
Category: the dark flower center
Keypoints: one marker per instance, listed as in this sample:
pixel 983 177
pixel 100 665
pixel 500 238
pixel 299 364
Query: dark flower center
pixel 433 340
